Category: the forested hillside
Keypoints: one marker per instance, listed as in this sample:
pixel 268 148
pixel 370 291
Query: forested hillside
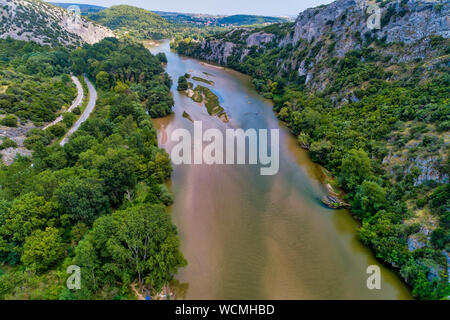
pixel 34 80
pixel 141 24
pixel 85 203
pixel 35 88
pixel 372 106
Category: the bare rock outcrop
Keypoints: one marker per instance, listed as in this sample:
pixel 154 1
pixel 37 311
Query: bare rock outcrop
pixel 38 21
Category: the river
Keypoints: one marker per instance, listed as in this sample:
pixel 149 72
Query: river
pixel 247 236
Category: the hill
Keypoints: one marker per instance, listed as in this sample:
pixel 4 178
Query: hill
pixel 38 21
pixel 371 104
pixel 215 20
pixel 142 24
pixel 241 19
pixel 134 21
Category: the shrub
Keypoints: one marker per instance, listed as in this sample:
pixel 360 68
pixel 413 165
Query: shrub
pixel 9 121
pixel 7 143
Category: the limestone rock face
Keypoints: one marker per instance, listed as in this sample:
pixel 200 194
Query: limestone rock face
pixel 259 38
pixel 217 51
pixel 38 21
pixel 407 21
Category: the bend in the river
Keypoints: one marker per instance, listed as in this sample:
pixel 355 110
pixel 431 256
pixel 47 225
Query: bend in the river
pixel 248 236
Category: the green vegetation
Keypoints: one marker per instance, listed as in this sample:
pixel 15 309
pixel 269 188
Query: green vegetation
pixel 182 84
pixel 7 143
pixel 140 24
pixel 203 94
pixel 243 19
pixel 203 80
pixel 377 126
pixel 9 121
pixel 126 66
pixel 36 20
pixel 213 20
pixel 34 82
pixel 94 201
pixel 187 116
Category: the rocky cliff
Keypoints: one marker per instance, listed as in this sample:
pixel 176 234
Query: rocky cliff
pixel 343 23
pixel 35 20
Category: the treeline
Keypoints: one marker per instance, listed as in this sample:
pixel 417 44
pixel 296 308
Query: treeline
pixel 374 124
pixel 99 201
pixel 34 81
pixel 140 24
pixel 124 65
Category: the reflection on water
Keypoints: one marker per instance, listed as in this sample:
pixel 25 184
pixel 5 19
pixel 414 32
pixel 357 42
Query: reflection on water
pixel 248 236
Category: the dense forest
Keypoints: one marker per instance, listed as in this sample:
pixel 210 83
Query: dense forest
pixel 34 81
pixel 380 127
pixel 99 201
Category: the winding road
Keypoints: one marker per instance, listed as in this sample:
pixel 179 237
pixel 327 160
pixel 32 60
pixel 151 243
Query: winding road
pixel 77 102
pixel 89 108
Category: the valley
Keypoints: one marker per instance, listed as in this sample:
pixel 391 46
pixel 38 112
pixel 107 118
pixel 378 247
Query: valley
pixel 90 104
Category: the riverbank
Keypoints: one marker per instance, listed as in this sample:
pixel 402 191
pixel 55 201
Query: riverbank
pixel 246 236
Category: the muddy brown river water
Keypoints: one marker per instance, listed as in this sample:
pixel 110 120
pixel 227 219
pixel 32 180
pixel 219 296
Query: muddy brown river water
pixel 248 236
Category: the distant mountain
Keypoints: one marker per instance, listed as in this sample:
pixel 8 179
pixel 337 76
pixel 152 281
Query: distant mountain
pixel 217 20
pixel 142 24
pixel 84 8
pixel 121 16
pixel 174 17
pixel 35 20
pixel 240 19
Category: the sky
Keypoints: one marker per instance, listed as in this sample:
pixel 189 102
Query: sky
pixel 221 7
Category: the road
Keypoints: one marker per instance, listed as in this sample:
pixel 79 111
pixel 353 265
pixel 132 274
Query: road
pixel 89 108
pixel 77 102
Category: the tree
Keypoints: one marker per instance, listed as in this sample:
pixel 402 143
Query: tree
pixel 77 145
pixel 102 80
pixel 355 168
pixel 161 56
pixel 88 259
pixel 306 121
pixel 369 199
pixel 161 166
pixel 42 249
pixel 69 119
pixel 116 169
pixel 28 212
pixel 138 243
pixel 9 121
pixel 82 199
pixel 146 240
pixel 320 151
pixel 182 84
pixel 57 130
